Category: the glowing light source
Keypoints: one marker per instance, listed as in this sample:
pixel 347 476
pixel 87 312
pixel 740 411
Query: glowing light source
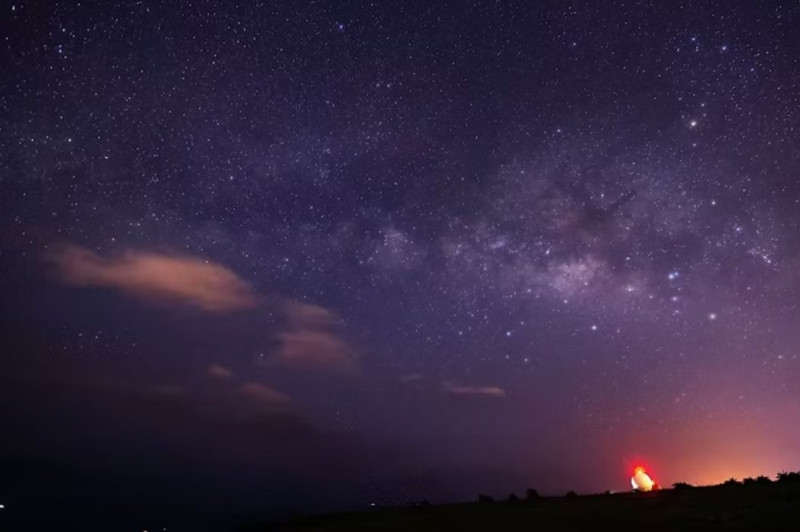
pixel 641 481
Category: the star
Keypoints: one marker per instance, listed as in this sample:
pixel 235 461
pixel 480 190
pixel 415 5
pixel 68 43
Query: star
pixel 299 219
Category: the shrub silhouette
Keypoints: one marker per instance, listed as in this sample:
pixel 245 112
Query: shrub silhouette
pixel 789 477
pixel 513 497
pixel 749 481
pixel 731 482
pixel 419 504
pixel 531 494
pixel 486 499
pixel 571 494
pixel 763 480
pixel 680 486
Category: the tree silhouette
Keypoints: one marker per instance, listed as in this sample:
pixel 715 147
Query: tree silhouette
pixel 513 497
pixel 789 477
pixel 762 480
pixel 531 494
pixel 749 481
pixel 485 498
pixel 571 494
pixel 731 482
pixel 680 486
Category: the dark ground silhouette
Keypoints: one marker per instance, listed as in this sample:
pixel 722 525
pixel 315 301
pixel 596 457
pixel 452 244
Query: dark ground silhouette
pixel 752 504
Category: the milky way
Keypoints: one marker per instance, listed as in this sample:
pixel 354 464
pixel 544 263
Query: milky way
pixel 323 254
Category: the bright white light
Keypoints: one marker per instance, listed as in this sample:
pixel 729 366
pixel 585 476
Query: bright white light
pixel 641 481
pixel 2 506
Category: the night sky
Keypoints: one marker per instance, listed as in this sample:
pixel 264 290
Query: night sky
pixel 312 255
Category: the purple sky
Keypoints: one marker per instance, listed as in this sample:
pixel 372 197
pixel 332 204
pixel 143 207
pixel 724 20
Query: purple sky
pixel 318 254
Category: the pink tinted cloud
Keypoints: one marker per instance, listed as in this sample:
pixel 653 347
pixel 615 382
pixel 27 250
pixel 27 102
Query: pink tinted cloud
pixel 489 391
pixel 307 316
pixel 158 277
pixel 219 372
pixel 313 340
pixel 265 395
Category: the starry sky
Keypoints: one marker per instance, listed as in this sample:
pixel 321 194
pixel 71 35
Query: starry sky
pixel 309 255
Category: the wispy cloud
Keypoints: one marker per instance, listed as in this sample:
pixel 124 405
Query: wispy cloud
pixel 167 389
pixel 158 277
pixel 456 389
pixel 257 394
pixel 219 372
pixel 265 395
pixel 305 316
pixel 313 340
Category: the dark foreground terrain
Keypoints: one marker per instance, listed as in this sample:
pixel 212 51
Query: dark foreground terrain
pixel 774 506
pixel 764 506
